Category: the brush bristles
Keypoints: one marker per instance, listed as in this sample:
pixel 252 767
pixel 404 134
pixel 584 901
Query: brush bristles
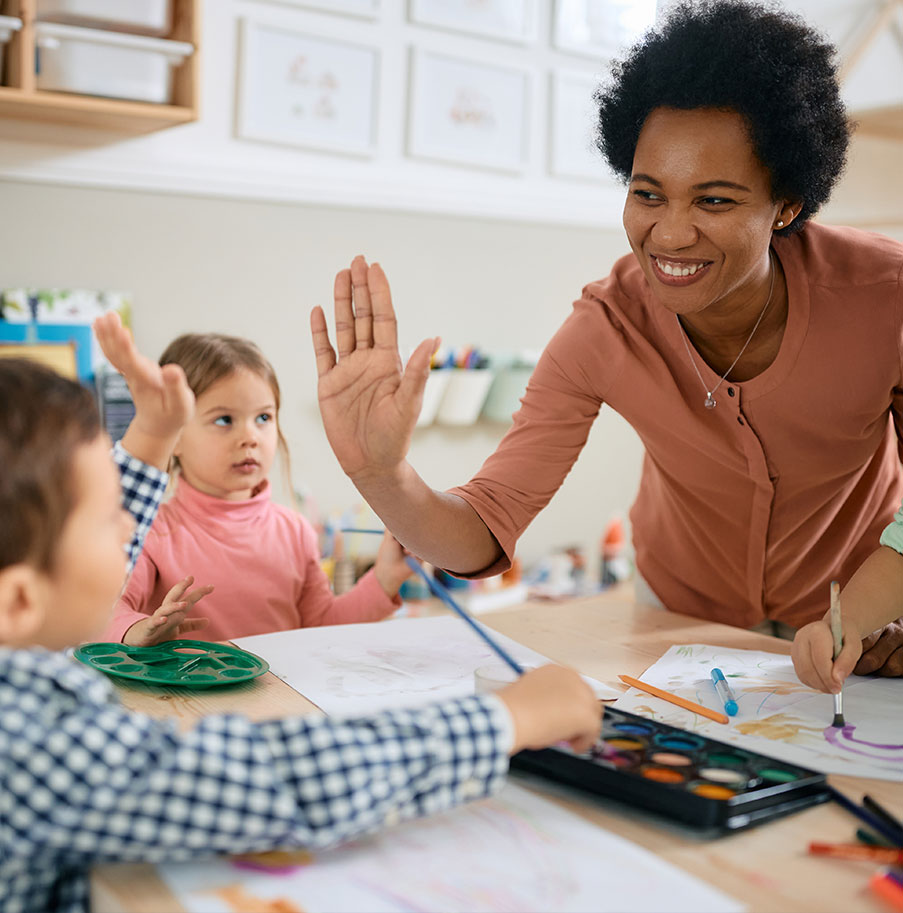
pixel 838 721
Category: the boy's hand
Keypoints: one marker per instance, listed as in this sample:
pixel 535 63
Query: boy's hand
pixel 168 622
pixel 163 400
pixel 390 568
pixel 553 704
pixel 813 655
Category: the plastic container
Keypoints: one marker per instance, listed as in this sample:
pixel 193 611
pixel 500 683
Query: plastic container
pixel 436 383
pixel 109 64
pixel 8 25
pixel 147 17
pixel 503 400
pixel 464 396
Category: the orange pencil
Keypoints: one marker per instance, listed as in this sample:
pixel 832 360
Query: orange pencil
pixel 674 699
pixel 886 854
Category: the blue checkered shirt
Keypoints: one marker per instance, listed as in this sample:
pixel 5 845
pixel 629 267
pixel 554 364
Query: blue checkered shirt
pixel 84 781
pixel 143 487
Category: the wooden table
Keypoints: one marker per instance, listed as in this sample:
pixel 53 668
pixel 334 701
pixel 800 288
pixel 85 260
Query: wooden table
pixel 766 868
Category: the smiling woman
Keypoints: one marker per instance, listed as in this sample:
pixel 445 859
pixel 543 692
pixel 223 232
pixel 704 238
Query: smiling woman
pixel 757 355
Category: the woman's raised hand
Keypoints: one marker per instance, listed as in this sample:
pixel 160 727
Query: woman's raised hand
pixel 368 402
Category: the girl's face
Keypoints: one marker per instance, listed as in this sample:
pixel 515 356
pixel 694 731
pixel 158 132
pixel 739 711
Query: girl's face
pixel 90 562
pixel 699 213
pixel 228 447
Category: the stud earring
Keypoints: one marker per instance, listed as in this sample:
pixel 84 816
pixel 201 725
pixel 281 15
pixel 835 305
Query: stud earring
pixel 781 223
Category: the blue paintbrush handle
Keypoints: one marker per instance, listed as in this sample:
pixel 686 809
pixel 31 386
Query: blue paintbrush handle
pixel 440 592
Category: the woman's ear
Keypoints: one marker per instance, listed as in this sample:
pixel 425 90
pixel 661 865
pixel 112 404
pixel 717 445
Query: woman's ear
pixel 786 214
pixel 23 605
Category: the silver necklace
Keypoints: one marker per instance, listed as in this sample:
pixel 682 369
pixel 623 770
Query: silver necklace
pixel 710 401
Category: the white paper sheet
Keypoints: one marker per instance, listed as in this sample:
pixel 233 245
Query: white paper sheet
pixel 349 670
pixel 778 716
pixel 517 851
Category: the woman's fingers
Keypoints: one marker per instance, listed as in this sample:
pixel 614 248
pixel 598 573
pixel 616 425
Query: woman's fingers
pixel 363 307
pixel 385 326
pixel 323 350
pixel 344 313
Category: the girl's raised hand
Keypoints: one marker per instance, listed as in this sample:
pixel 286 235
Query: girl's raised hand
pixel 369 404
pixel 169 621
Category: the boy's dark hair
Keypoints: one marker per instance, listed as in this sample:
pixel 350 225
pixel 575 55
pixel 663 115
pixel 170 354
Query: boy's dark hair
pixel 762 62
pixel 44 418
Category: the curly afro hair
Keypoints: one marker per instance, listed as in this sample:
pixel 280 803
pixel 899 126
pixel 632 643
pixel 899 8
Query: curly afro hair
pixel 764 63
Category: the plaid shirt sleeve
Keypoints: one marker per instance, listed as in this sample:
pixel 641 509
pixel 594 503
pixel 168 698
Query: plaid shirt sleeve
pixel 143 487
pixel 84 781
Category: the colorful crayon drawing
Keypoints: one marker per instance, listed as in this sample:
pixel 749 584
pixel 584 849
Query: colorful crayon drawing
pixel 778 716
pixel 518 851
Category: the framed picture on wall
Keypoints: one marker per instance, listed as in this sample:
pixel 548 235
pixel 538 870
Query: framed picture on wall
pixel 368 8
pixel 572 150
pixel 306 90
pixel 467 113
pixel 511 20
pixel 600 28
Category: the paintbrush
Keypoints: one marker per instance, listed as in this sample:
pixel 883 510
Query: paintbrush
pixel 837 634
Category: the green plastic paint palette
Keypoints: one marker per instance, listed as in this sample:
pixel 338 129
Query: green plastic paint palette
pixel 176 663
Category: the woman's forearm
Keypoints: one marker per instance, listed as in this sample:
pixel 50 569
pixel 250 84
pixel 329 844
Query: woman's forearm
pixel 874 595
pixel 438 527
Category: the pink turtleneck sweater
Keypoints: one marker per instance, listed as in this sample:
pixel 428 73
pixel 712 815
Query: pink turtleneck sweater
pixel 262 558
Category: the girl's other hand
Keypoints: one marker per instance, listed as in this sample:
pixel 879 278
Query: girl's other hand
pixel 390 568
pixel 169 622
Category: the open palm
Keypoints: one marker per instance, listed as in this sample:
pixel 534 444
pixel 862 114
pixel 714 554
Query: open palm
pixel 369 404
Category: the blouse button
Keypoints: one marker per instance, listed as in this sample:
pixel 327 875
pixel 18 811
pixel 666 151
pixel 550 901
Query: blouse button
pixel 730 391
pixel 739 419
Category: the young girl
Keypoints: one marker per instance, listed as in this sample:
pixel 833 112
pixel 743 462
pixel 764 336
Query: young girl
pixel 259 560
pixel 84 781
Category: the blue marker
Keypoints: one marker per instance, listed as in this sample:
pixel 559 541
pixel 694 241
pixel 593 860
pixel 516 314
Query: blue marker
pixel 724 692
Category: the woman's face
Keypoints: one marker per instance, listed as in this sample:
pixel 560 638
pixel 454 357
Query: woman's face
pixel 699 212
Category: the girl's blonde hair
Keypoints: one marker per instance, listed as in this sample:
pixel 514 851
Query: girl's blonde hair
pixel 208 357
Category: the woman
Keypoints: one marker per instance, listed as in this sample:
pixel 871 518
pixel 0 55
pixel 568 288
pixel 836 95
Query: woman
pixel 757 355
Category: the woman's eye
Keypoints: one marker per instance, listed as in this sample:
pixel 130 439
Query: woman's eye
pixel 647 196
pixel 716 201
pixel 223 421
pixel 264 417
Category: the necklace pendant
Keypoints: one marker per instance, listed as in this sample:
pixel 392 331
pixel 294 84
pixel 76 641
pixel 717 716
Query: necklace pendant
pixel 710 401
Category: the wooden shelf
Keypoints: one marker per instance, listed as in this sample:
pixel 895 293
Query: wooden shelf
pixel 20 99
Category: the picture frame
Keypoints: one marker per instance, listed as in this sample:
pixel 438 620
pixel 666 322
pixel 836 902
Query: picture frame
pixel 508 20
pixel 365 9
pixel 312 91
pixel 600 28
pixel 572 124
pixel 468 112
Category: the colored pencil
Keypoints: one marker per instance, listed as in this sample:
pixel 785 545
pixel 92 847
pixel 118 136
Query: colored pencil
pixel 439 591
pixel 891 834
pixel 888 889
pixel 837 634
pixel 674 699
pixel 882 813
pixel 866 836
pixel 887 855
pixel 370 532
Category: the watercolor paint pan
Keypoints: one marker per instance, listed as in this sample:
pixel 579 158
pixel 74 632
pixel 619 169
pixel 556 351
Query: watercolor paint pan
pixel 684 776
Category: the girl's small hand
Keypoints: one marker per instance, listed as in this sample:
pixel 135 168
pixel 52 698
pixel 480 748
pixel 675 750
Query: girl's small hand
pixel 169 621
pixel 813 655
pixel 390 568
